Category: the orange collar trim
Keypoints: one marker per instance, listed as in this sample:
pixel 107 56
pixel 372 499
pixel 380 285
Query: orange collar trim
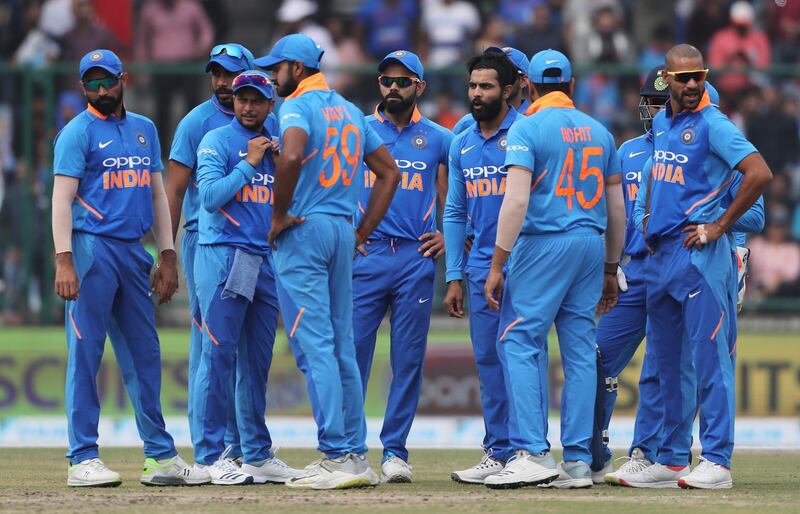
pixel 704 102
pixel 415 116
pixel 95 112
pixel 554 99
pixel 315 82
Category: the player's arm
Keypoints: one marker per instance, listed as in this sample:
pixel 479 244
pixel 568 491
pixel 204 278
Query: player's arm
pixel 615 241
pixel 178 182
pixel 752 221
pixel 217 186
pixel 640 206
pixel 287 173
pixel 387 176
pixel 64 190
pixel 165 278
pixel 454 224
pixel 433 242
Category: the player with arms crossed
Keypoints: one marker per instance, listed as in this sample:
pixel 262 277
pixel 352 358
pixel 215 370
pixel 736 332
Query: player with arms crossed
pixel 107 194
pixel 395 270
pixel 477 184
pixel 563 194
pixel 325 139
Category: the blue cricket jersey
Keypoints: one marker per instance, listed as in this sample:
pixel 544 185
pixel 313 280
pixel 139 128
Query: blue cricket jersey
pixel 752 221
pixel 191 129
pixel 236 197
pixel 113 158
pixel 418 149
pixel 467 121
pixel 694 155
pixel 570 155
pixel 477 184
pixel 633 154
pixel 338 140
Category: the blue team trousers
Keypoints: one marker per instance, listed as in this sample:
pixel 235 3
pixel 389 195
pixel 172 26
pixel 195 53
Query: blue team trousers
pixel 692 334
pixel 114 299
pixel 483 331
pixel 394 275
pixel 188 252
pixel 314 265
pixel 238 337
pixel 552 278
pixel 619 334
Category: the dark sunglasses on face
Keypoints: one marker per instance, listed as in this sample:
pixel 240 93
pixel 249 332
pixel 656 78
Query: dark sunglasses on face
pixel 685 76
pixel 402 82
pixel 96 84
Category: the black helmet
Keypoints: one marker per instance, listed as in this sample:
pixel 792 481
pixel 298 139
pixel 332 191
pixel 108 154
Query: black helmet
pixel 654 91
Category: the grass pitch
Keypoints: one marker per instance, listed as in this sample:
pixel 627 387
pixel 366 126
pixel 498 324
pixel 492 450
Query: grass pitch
pixel 34 480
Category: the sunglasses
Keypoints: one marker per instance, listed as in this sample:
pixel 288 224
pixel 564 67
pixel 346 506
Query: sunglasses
pixel 96 84
pixel 251 79
pixel 402 82
pixel 685 76
pixel 234 51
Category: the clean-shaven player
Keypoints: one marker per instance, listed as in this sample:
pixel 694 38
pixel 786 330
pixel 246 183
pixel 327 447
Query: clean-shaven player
pixel 689 275
pixel 226 61
pixel 107 194
pixel 396 268
pixel 563 194
pixel 236 288
pixel 325 139
pixel 477 183
pixel 519 91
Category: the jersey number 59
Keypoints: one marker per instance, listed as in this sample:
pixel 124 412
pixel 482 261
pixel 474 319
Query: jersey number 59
pixel 565 177
pixel 335 145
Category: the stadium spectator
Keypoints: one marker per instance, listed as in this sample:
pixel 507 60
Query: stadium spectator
pixel 652 55
pixel 774 260
pixel 350 51
pixel 173 31
pixel 12 29
pixel 772 130
pixel 607 42
pixel 448 28
pixel 57 17
pixel 784 22
pixel 386 25
pixel 707 18
pixel 542 33
pixel 447 114
pixel 739 46
pixel 297 17
pixel 493 34
pixel 599 96
pixel 577 18
pixel 87 34
pixel 37 48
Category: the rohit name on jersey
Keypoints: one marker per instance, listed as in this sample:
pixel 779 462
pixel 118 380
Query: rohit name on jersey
pixel 126 172
pixel 485 181
pixel 410 175
pixel 259 190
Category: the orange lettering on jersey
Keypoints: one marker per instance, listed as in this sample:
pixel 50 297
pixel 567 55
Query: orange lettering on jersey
pixel 576 134
pixel 472 191
pixel 254 194
pixel 415 184
pixel 677 177
pixel 486 187
pixel 123 179
pixel 633 190
pixel 335 113
pixel 668 173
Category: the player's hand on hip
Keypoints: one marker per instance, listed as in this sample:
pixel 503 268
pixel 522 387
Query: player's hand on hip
pixel 493 290
pixel 433 244
pixel 622 280
pixel 281 224
pixel 468 243
pixel 702 234
pixel 256 148
pixel 66 283
pixel 610 293
pixel 165 278
pixel 454 299
pixel 361 246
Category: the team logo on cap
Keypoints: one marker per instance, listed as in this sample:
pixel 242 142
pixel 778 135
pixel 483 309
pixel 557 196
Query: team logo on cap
pixel 502 144
pixel 141 139
pixel 400 53
pixel 687 136
pixel 660 84
pixel 419 141
pixel 96 56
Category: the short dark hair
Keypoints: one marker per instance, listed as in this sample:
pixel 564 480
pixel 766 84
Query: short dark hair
pixel 499 62
pixel 544 88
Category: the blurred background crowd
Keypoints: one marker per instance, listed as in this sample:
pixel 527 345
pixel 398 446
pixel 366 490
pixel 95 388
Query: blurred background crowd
pixel 752 48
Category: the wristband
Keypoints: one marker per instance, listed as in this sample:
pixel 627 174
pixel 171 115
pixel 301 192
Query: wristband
pixel 611 268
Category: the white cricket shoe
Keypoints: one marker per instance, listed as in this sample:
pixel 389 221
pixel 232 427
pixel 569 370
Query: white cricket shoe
pixel 345 472
pixel 636 462
pixel 572 475
pixel 657 476
pixel 224 472
pixel 270 471
pixel 707 475
pixel 92 473
pixel 598 477
pixel 524 470
pixel 477 474
pixel 395 470
pixel 173 471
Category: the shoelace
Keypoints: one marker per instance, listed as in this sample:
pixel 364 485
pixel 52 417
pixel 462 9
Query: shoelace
pixel 226 465
pixel 633 465
pixel 397 460
pixel 95 465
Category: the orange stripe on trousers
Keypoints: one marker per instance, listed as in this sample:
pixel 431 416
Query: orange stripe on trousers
pixel 297 321
pixel 509 327
pixel 74 326
pixel 719 325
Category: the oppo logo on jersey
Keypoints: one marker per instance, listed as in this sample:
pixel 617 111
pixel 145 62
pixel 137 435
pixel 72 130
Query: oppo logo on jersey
pixel 263 179
pixel 402 164
pixel 634 176
pixel 667 156
pixel 632 180
pixel 126 162
pixel 132 176
pixel 483 171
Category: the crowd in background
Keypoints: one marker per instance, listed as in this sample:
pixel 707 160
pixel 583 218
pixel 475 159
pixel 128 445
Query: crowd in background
pixel 611 43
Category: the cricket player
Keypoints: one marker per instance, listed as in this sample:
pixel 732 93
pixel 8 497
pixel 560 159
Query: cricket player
pixel 396 267
pixel 107 194
pixel 325 139
pixel 563 195
pixel 689 275
pixel 225 62
pixel 477 183
pixel 519 91
pixel 236 287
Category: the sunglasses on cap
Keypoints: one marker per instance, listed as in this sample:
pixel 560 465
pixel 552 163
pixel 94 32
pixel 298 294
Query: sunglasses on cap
pixel 105 82
pixel 251 79
pixel 232 50
pixel 402 82
pixel 685 76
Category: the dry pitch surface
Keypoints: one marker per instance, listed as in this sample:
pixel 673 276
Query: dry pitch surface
pixel 34 480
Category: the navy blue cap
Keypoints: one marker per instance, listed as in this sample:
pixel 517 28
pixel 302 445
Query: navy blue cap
pixel 294 47
pixel 519 59
pixel 546 60
pixel 101 58
pixel 654 83
pixel 256 79
pixel 407 59
pixel 713 94
pixel 231 56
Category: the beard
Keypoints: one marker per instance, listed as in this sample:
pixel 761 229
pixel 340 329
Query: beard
pixel 398 104
pixel 488 111
pixel 288 87
pixel 686 102
pixel 228 102
pixel 106 105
